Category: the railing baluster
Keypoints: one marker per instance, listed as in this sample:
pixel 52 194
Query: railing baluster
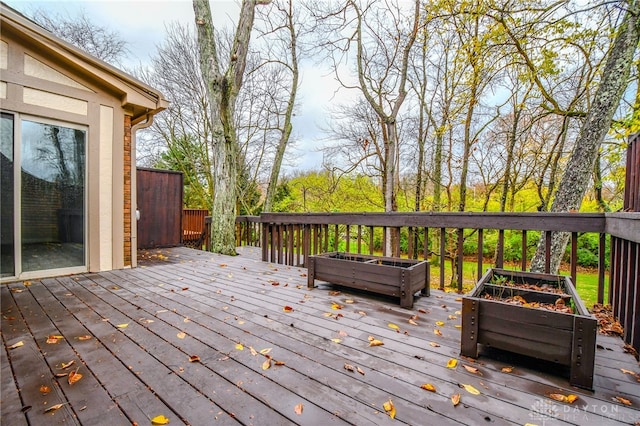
pixel 460 262
pixel 601 266
pixel 547 251
pixel 574 258
pixel 480 252
pixel 443 242
pixel 371 240
pixel 523 261
pixel 348 239
pixel 500 251
pixel 359 239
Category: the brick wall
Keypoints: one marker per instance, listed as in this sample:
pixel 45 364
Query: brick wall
pixel 127 190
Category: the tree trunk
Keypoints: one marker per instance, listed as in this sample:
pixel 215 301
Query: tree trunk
pixel 575 180
pixel 222 90
pixel 272 187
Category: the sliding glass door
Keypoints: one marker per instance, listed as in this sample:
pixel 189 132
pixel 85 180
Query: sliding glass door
pixel 49 214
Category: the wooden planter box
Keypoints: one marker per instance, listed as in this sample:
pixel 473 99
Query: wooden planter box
pixel 492 317
pixel 389 276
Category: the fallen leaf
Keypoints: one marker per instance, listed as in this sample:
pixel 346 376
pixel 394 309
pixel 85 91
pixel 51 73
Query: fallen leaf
pixel 52 340
pixel 253 351
pixel 336 306
pixel 434 344
pixel 452 317
pixel 334 293
pixel 452 363
pixel 336 340
pixel 429 387
pixel 412 322
pixel 470 389
pixel 364 314
pixel 472 370
pixel 239 346
pixel 376 342
pixel 437 332
pixel 85 337
pixel 458 299
pixel 393 326
pixel 55 407
pixel 73 377
pixel 265 351
pixel 160 420
pixel 287 309
pixel 125 325
pixel 457 326
pixel 44 389
pixel 458 312
pixel 298 409
pixel 278 362
pixel 390 409
pixel 507 369
pixel 455 399
pixel 439 323
pixel 223 265
pixel 360 370
pixel 194 358
pixel 349 367
pixel 266 364
pixel 181 335
pixel 64 366
pixel 422 311
pixel 623 400
pixel 570 399
pixel 342 333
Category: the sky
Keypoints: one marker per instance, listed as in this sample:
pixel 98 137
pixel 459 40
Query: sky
pixel 142 23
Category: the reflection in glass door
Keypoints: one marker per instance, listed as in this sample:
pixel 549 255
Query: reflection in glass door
pixel 52 210
pixel 7 223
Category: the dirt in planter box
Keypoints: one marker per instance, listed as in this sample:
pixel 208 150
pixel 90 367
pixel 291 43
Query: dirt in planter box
pixel 544 287
pixel 559 306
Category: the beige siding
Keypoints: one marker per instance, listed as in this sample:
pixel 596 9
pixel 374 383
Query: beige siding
pixel 106 187
pixel 4 54
pixel 54 101
pixel 35 68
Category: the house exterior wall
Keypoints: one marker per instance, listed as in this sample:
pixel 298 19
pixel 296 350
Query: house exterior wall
pixel 33 84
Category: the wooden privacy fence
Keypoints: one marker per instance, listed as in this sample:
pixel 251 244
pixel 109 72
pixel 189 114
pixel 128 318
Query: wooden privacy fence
pixel 193 227
pixel 625 253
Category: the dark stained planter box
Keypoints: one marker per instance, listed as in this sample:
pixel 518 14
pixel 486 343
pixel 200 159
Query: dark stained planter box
pixel 389 276
pixel 568 339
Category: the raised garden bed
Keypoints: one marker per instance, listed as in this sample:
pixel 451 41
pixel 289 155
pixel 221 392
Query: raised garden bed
pixel 389 276
pixel 538 315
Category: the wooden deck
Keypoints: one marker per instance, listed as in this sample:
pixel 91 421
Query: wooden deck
pixel 131 334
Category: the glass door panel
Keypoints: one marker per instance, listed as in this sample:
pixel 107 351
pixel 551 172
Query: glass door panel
pixel 52 196
pixel 7 222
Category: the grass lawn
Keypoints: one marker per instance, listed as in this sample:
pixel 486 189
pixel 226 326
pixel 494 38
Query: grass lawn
pixel 586 282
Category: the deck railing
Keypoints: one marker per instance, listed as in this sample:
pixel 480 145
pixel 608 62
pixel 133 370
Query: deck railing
pixel 289 238
pixel 193 227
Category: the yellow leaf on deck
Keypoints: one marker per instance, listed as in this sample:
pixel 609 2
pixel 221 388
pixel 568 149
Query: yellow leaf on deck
pixel 434 344
pixel 458 299
pixel 181 335
pixel 73 377
pixel 336 306
pixel 439 323
pixel 85 337
pixel 572 398
pixel 67 364
pixel 52 341
pixel 390 409
pixel 470 389
pixel 507 369
pixel 452 363
pixel 125 325
pixel 253 351
pixel 455 399
pixel 457 326
pixel 16 345
pixel 266 364
pixel 336 340
pixel 429 387
pixel 160 420
pixel 298 409
pixel 437 332
pixel 265 351
pixel 412 322
pixel 622 400
pixel 287 309
pixel 194 358
pixel 360 370
pixel 239 346
pixel 54 407
pixel 44 389
pixel 470 369
pixel 452 317
pixel 376 342
pixel 393 326
pixel 349 301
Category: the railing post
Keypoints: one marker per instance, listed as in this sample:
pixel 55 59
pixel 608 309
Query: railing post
pixel 460 264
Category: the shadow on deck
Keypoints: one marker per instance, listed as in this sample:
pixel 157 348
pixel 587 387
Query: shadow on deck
pixel 131 334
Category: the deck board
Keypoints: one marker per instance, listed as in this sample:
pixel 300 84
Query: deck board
pixel 188 302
